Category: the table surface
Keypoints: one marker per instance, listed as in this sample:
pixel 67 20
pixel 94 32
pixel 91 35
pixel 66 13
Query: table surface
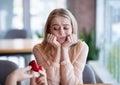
pixel 13 46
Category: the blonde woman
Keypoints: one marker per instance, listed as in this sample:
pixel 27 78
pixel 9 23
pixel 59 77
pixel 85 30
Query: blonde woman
pixel 61 53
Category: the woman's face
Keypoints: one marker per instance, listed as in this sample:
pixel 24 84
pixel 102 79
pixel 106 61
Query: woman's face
pixel 61 27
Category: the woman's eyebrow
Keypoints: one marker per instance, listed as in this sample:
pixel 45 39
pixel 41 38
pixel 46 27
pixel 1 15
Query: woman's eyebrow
pixel 54 25
pixel 66 24
pixel 58 25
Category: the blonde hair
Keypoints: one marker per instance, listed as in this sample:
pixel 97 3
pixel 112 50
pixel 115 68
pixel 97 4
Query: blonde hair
pixel 60 12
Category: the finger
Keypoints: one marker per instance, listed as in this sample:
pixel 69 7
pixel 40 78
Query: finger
pixel 52 37
pixel 27 75
pixel 55 38
pixel 71 38
pixel 42 73
pixel 32 72
pixel 68 39
pixel 74 37
pixel 40 80
pixel 27 68
pixel 48 37
pixel 33 81
pixel 43 69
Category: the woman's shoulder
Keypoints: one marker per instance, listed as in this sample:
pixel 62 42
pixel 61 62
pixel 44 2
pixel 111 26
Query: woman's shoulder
pixel 37 46
pixel 81 43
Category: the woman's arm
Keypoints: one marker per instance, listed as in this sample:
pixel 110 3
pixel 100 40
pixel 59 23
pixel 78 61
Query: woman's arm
pixel 52 40
pixel 71 73
pixel 52 68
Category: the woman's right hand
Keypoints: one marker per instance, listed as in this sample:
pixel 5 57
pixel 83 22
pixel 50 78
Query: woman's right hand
pixel 53 41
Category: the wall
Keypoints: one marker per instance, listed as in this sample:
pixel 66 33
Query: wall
pixel 84 11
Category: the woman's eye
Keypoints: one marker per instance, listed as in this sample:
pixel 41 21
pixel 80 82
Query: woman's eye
pixel 56 28
pixel 66 28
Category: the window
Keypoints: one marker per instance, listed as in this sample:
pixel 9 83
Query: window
pixel 17 21
pixel 39 11
pixel 26 14
pixel 108 35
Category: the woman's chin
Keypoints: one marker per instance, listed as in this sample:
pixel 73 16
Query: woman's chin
pixel 61 42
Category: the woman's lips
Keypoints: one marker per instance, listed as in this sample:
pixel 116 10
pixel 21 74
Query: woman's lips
pixel 62 38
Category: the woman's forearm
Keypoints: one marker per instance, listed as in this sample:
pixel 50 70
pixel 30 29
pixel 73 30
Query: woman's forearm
pixel 65 54
pixel 57 55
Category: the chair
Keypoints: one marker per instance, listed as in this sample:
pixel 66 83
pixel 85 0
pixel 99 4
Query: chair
pixel 6 67
pixel 88 75
pixel 15 33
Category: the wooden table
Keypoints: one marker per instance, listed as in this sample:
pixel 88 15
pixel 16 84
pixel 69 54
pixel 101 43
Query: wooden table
pixel 17 47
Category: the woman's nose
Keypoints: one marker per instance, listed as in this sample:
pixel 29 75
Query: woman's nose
pixel 62 32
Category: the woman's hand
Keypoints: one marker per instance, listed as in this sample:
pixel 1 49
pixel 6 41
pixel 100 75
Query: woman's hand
pixel 53 40
pixel 41 79
pixel 71 39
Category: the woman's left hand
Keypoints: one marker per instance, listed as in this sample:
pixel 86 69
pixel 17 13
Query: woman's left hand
pixel 71 39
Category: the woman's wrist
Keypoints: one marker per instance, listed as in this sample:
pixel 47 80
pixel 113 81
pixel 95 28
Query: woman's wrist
pixel 65 54
pixel 65 47
pixel 57 47
pixel 57 58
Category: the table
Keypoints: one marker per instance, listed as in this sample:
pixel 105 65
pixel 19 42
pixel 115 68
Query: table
pixel 18 47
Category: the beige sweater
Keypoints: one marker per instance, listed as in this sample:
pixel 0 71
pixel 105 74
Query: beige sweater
pixel 63 73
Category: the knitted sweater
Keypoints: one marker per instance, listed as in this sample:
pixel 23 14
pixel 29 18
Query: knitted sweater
pixel 63 73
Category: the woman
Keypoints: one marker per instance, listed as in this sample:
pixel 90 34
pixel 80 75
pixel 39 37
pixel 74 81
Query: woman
pixel 61 54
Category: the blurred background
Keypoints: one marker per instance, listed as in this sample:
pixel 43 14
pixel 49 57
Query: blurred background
pixel 98 22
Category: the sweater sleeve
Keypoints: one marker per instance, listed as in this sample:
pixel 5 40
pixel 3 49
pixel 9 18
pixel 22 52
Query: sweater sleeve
pixel 52 69
pixel 71 73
